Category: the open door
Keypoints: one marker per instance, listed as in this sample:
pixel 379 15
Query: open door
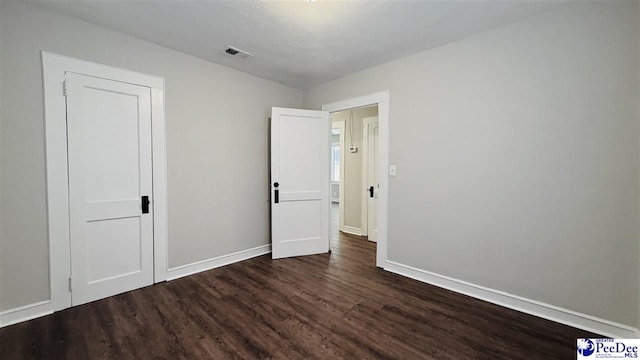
pixel 300 147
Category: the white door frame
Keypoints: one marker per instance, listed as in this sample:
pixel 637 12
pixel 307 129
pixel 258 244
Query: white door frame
pixel 54 67
pixel 382 100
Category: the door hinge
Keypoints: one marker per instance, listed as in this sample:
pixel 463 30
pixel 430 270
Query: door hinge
pixel 65 87
pixel 69 284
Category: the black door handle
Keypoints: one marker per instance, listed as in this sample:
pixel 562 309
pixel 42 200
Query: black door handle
pixel 370 191
pixel 145 204
pixel 276 193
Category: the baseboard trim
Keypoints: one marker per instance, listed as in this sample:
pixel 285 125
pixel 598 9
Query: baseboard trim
pixel 529 306
pixel 352 230
pixel 204 265
pixel 42 308
pixel 24 313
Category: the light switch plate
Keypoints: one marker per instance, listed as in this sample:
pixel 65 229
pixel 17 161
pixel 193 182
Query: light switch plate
pixel 392 170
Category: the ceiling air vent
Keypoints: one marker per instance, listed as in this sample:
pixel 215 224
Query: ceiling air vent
pixel 237 52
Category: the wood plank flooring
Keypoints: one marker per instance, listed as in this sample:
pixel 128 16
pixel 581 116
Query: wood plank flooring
pixel 337 306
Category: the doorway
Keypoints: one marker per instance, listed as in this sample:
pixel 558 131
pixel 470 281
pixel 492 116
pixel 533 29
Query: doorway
pixel 353 171
pixel 381 101
pixel 300 181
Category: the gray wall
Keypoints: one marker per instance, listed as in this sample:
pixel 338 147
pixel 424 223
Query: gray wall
pixel 353 164
pixel 517 155
pixel 216 145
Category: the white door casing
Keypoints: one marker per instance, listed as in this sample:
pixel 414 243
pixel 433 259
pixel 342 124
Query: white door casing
pixel 55 69
pixel 110 170
pixel 300 168
pixel 370 132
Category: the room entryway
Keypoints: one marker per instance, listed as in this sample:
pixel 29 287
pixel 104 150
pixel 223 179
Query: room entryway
pixel 354 172
pixel 301 180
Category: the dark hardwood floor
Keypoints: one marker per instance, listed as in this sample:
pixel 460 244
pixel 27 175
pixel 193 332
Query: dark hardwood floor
pixel 337 306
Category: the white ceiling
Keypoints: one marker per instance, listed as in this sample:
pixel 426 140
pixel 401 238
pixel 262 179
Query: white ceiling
pixel 296 42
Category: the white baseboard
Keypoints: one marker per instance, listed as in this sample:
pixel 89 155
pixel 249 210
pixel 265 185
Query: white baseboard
pixel 204 265
pixel 352 230
pixel 532 307
pixel 24 313
pixel 32 311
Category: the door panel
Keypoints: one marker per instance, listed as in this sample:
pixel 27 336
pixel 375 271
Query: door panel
pixel 300 146
pixel 113 239
pixel 109 122
pixel 371 139
pixel 109 139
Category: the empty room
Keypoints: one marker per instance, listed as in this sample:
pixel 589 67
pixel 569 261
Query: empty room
pixel 357 179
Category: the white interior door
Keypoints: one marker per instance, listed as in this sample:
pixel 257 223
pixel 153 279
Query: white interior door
pixel 370 140
pixel 110 171
pixel 300 167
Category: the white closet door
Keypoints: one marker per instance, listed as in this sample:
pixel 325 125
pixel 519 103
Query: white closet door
pixel 110 187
